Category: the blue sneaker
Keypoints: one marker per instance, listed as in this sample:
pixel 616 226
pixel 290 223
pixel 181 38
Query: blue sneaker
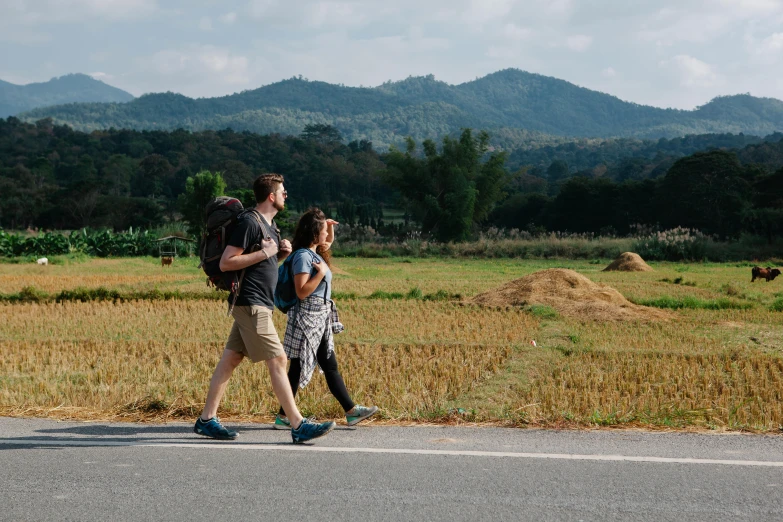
pixel 308 431
pixel 213 428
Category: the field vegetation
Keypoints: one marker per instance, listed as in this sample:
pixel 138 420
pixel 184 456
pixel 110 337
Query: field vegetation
pixel 412 345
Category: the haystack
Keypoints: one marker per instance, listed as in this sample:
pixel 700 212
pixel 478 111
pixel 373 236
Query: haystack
pixel 628 262
pixel 571 294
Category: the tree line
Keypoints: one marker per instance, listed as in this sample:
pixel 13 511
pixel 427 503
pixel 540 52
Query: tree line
pixel 52 177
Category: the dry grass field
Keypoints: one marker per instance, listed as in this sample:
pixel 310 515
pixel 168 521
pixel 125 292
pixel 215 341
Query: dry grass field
pixel 715 364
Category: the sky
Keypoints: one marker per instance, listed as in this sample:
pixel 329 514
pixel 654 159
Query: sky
pixel 664 53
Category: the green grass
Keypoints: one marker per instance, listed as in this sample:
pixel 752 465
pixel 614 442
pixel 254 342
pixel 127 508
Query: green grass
pixel 414 293
pixel 543 311
pixel 693 303
pixel 30 294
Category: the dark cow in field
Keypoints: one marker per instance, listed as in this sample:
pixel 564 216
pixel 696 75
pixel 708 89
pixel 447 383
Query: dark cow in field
pixel 764 273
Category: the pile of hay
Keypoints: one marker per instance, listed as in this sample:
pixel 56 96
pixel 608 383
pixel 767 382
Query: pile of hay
pixel 628 262
pixel 571 294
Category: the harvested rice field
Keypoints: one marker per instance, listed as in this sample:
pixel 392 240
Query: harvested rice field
pixel 683 346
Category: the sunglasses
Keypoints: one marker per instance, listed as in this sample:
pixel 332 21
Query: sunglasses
pixel 285 194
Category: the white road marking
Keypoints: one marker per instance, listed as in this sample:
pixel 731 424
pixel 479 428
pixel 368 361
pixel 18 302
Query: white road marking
pixel 398 451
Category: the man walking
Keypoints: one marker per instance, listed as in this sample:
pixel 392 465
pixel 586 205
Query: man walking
pixel 253 334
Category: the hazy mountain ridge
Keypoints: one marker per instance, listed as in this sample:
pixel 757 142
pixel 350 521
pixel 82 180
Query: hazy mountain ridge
pixel 71 88
pixel 423 107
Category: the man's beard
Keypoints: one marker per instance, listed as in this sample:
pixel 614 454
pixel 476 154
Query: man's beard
pixel 279 205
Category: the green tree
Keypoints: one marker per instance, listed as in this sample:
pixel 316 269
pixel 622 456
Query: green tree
pixel 154 171
pixel 118 173
pixel 555 175
pixel 199 190
pixel 321 133
pixel 708 191
pixel 450 191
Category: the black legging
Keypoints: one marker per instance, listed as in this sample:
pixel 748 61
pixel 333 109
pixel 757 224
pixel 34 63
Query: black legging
pixel 333 378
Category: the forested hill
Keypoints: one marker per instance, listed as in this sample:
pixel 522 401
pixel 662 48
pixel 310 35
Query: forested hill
pixel 71 88
pixel 423 107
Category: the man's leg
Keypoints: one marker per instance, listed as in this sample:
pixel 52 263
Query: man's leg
pixel 282 389
pixel 217 386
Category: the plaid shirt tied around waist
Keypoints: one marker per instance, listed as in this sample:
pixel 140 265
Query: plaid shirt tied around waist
pixel 310 321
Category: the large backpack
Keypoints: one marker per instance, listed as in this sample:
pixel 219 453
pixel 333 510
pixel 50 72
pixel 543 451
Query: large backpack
pixel 222 214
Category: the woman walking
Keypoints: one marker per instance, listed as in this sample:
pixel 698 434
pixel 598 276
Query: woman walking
pixel 312 322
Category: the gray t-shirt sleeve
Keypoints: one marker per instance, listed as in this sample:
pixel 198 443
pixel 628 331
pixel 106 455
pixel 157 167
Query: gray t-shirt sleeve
pixel 302 263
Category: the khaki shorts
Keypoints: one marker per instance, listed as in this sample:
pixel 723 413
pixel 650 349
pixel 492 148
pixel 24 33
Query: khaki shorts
pixel 253 334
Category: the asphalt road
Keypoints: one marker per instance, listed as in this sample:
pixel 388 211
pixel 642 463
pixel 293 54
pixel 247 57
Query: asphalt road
pixel 97 471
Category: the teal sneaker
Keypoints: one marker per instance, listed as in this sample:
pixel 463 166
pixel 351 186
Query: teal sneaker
pixel 214 429
pixel 308 431
pixel 359 413
pixel 282 422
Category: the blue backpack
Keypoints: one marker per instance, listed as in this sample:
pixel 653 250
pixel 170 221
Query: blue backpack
pixel 285 292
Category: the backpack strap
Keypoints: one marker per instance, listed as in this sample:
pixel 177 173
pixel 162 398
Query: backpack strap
pixel 236 294
pixel 257 216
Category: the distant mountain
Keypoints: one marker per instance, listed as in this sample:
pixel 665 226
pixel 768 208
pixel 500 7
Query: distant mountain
pixel 71 88
pixel 504 103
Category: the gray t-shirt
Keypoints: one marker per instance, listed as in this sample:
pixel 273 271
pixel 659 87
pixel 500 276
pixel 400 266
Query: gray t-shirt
pixel 258 285
pixel 302 263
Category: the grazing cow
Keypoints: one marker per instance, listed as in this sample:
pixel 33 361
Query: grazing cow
pixel 767 273
pixel 42 261
pixel 166 261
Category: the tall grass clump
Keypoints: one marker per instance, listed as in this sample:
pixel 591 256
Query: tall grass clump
pixel 678 244
pixel 494 246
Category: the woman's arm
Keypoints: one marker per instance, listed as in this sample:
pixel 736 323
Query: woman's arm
pixel 305 284
pixel 330 223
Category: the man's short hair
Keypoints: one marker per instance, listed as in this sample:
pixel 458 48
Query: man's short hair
pixel 266 184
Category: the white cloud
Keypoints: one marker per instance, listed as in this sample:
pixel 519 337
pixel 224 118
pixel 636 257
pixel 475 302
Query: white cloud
pixel 205 24
pixel 579 42
pixel 99 56
pixel 71 11
pixel 102 76
pixel 558 7
pixel 198 70
pixel 693 72
pixel 752 8
pixel 311 14
pixel 261 8
pixel 229 18
pixel 650 44
pixel 514 32
pixel 23 36
pixel 482 11
pixel 773 43
pixel 112 9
